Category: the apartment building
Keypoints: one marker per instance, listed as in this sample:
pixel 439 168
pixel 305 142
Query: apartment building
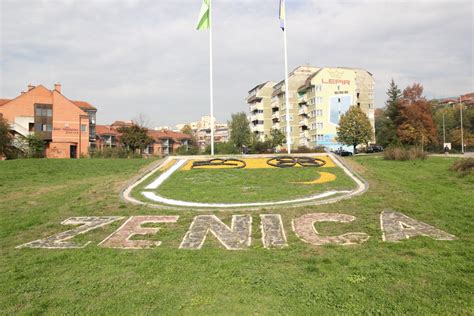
pixel 296 79
pixel 325 96
pixel 202 131
pixel 317 99
pixel 66 126
pixel 259 102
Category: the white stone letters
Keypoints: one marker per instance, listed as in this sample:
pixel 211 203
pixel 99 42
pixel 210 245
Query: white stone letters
pixel 397 226
pixel 236 237
pixel 273 233
pixel 132 227
pixel 60 240
pixel 304 229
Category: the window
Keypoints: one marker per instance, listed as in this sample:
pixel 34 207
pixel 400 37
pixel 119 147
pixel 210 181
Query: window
pixel 319 112
pixel 319 125
pixel 43 120
pixel 320 137
pixel 83 128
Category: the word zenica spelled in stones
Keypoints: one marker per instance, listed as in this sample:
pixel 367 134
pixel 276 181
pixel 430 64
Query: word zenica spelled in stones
pixel 395 227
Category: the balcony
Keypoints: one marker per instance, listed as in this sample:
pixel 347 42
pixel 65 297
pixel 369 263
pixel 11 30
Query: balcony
pixel 275 116
pixel 303 111
pixel 276 125
pixel 304 134
pixel 303 122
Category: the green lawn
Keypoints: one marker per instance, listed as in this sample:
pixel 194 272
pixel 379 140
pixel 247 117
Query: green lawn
pixel 248 185
pixel 416 276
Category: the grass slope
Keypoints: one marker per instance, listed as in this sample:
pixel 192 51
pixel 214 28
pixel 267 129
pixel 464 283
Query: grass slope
pixel 417 276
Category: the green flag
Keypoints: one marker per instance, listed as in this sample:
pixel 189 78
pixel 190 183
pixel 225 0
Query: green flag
pixel 204 20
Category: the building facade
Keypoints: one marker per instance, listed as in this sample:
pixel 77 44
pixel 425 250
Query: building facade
pixel 202 131
pixel 296 79
pixel 325 96
pixel 259 102
pixel 165 142
pixel 66 126
pixel 317 99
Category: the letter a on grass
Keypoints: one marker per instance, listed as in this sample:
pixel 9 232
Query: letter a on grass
pixel 397 226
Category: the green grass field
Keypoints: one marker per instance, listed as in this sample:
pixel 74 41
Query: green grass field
pixel 416 276
pixel 246 185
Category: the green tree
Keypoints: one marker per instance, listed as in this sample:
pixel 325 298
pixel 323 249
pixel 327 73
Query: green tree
pixel 277 138
pixel 388 119
pixel 240 133
pixel 34 146
pixel 354 128
pixel 135 137
pixel 6 138
pixel 392 105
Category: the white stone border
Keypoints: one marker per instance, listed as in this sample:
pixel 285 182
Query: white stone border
pixel 317 199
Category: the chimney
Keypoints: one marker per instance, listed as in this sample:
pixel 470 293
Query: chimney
pixel 57 87
pixel 30 87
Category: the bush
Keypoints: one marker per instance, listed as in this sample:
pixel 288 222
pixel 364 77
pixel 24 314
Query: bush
pixel 305 150
pixel 191 150
pixel 463 166
pixel 223 149
pixel 402 154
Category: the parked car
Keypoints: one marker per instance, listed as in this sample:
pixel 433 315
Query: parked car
pixel 341 152
pixel 374 149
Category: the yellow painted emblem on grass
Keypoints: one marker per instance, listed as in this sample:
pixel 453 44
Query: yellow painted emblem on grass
pixel 323 178
pixel 168 165
pixel 254 163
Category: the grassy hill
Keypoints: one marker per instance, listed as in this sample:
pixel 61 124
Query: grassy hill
pixel 416 276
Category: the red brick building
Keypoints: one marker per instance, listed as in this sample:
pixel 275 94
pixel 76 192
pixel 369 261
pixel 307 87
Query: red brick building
pixel 67 126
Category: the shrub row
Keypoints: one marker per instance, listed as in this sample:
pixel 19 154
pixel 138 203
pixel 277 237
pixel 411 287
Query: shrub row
pixel 402 153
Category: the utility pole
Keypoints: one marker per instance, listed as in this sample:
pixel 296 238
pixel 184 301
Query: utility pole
pixel 444 132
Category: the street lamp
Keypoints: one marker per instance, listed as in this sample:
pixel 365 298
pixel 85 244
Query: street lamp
pixel 462 135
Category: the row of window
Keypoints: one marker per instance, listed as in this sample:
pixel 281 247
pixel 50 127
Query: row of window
pixel 318 137
pixel 317 125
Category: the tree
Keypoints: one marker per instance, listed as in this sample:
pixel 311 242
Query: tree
pixel 277 138
pixel 354 128
pixel 135 137
pixel 240 133
pixel 387 120
pixel 417 126
pixel 6 138
pixel 392 105
pixel 35 146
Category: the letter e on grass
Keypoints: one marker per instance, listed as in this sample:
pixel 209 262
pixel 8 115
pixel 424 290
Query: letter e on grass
pixel 132 227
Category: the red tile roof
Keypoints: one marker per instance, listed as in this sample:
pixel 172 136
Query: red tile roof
pixel 3 101
pixel 164 134
pixel 105 130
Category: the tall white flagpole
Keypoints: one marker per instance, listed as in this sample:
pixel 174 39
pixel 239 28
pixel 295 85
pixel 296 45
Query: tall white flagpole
pixel 288 133
pixel 462 136
pixel 211 80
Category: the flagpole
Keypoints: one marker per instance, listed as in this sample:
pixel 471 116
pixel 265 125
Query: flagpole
pixel 288 133
pixel 211 79
pixel 462 136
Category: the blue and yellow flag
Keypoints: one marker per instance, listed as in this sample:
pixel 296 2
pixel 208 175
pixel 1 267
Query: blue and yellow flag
pixel 204 21
pixel 282 15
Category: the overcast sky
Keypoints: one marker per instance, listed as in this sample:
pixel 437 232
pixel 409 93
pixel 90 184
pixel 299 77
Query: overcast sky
pixel 131 57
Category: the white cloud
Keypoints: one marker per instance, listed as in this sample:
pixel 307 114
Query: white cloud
pixel 131 57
